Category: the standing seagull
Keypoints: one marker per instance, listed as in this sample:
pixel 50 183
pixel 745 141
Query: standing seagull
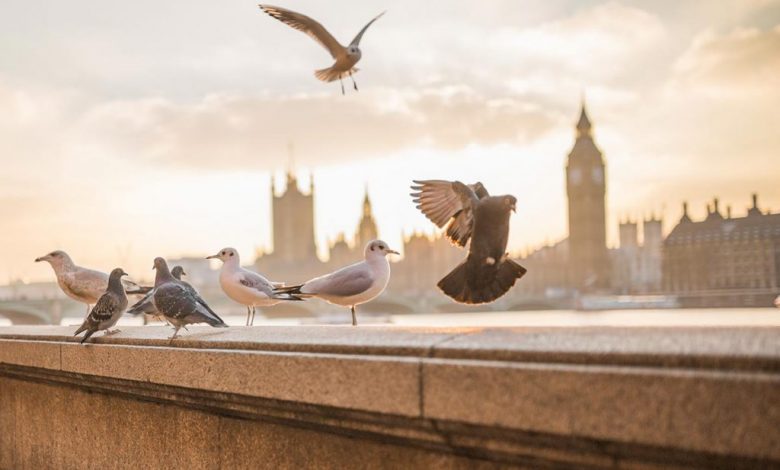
pixel 346 57
pixel 178 303
pixel 353 285
pixel 108 308
pixel 83 284
pixel 246 287
pixel 469 211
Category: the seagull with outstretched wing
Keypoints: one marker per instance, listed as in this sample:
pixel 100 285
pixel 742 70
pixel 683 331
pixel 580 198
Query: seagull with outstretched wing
pixel 469 213
pixel 346 57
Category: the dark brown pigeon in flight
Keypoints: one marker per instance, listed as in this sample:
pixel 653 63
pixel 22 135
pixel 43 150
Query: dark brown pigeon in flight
pixel 469 212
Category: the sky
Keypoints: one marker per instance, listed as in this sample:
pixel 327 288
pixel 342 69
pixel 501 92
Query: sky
pixel 130 130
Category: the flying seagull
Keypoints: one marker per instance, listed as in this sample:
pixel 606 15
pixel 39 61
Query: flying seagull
pixel 353 285
pixel 108 308
pixel 83 284
pixel 178 302
pixel 469 212
pixel 346 57
pixel 146 304
pixel 246 287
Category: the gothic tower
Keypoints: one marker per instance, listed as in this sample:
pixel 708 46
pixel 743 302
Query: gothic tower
pixel 367 228
pixel 293 219
pixel 586 191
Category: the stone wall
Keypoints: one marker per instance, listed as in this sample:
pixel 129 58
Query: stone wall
pixel 389 397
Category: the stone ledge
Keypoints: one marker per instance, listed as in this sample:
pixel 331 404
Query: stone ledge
pixel 704 396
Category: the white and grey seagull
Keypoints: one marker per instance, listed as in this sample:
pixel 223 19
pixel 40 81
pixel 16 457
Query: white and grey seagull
pixel 346 57
pixel 246 287
pixel 353 285
pixel 83 284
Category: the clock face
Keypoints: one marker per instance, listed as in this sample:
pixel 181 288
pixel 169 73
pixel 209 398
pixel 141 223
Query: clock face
pixel 575 176
pixel 598 175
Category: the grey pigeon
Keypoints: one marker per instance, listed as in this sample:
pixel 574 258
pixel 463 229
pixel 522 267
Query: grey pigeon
pixel 108 308
pixel 178 302
pixel 470 213
pixel 83 284
pixel 345 57
pixel 146 304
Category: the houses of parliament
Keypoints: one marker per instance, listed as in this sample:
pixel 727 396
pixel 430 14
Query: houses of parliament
pixel 720 261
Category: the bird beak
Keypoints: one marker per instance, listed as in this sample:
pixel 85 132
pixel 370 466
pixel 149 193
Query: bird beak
pixel 212 257
pixel 514 208
pixel 37 260
pixel 393 252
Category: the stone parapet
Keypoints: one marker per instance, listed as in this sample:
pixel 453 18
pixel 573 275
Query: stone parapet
pixel 332 396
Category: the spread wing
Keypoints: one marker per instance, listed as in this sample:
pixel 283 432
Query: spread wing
pixel 345 282
pixel 356 41
pixel 449 203
pixel 309 26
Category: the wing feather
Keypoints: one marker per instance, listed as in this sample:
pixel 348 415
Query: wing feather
pixel 307 25
pixel 450 204
pixel 356 41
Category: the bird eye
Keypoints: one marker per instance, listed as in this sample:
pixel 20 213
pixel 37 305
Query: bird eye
pixel 231 253
pixel 223 253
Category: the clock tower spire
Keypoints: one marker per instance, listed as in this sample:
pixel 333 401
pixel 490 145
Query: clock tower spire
pixel 586 191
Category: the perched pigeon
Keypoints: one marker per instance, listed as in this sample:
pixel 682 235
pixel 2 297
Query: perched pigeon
pixel 82 284
pixel 178 302
pixel 146 304
pixel 246 287
pixel 346 57
pixel 469 212
pixel 108 308
pixel 353 285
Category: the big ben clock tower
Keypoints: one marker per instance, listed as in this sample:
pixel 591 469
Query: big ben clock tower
pixel 586 191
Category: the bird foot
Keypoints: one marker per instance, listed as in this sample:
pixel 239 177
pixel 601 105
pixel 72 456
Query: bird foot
pixel 490 261
pixel 110 332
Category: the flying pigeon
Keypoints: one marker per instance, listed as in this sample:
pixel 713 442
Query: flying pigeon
pixel 246 287
pixel 469 212
pixel 178 303
pixel 83 284
pixel 353 285
pixel 108 308
pixel 346 57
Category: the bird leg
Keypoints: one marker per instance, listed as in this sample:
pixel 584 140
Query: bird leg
pixel 252 323
pixel 248 314
pixel 175 332
pixel 354 84
pixel 354 318
pixel 342 85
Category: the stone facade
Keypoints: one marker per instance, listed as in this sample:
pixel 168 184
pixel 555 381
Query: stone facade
pixel 723 253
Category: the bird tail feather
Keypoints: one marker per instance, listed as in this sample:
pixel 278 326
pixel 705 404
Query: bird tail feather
pixel 81 328
pixel 483 289
pixel 330 74
pixel 290 293
pixel 86 336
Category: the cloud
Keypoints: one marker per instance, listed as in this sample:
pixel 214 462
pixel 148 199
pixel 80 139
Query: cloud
pixel 232 131
pixel 746 60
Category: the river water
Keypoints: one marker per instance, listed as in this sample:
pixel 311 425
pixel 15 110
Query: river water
pixel 547 318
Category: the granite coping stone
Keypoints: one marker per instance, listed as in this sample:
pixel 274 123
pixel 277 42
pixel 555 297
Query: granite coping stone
pixel 738 348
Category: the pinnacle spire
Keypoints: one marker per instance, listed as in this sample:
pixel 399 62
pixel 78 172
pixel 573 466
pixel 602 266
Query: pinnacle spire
pixel 583 125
